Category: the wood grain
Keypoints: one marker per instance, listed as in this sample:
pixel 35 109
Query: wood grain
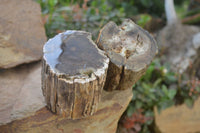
pixel 130 49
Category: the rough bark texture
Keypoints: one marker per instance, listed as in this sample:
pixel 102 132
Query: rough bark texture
pixel 130 49
pixel 73 81
pixel 22 33
pixel 105 120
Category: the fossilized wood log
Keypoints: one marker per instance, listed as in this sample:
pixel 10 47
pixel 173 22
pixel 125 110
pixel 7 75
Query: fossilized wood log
pixel 105 120
pixel 130 49
pixel 73 74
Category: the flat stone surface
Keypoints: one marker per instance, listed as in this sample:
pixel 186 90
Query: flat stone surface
pixel 20 92
pixel 105 120
pixel 180 119
pixel 22 33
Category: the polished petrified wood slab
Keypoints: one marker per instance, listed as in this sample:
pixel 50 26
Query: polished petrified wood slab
pixel 130 49
pixel 73 74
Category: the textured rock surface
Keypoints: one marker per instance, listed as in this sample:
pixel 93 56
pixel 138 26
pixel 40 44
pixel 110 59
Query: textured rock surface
pixel 105 120
pixel 180 119
pixel 73 74
pixel 130 49
pixel 22 33
pixel 196 61
pixel 179 44
pixel 20 92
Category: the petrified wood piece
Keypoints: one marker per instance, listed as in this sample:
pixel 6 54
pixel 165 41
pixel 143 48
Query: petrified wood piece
pixel 130 49
pixel 22 33
pixel 73 74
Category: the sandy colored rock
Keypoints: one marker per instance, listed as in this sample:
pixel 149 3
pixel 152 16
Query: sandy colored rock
pixel 180 119
pixel 105 120
pixel 20 92
pixel 22 33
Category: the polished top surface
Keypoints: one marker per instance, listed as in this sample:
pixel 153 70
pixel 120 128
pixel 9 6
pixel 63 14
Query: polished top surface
pixel 73 53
